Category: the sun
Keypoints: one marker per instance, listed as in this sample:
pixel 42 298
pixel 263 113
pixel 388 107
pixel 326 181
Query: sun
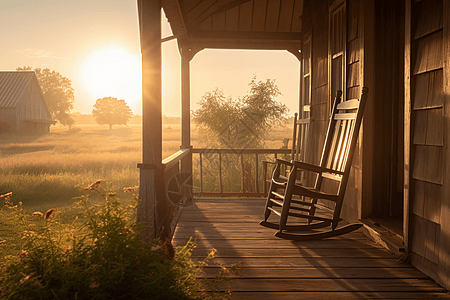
pixel 114 72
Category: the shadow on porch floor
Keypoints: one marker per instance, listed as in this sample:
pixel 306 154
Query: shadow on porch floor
pixel 347 267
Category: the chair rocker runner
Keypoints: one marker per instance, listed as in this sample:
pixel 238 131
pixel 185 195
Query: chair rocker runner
pixel 299 202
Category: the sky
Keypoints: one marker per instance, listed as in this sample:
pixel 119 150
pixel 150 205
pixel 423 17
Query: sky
pixel 95 43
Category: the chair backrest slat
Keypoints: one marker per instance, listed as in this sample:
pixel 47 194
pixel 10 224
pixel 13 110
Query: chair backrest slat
pixel 341 137
pixel 300 138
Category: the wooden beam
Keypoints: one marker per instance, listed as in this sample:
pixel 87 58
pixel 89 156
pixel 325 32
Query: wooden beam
pixel 174 14
pixel 249 35
pixel 150 185
pixel 245 44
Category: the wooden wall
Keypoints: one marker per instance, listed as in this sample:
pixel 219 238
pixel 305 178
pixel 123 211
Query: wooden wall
pixel 350 208
pixel 427 133
pixel 9 122
pixel 316 20
pixel 32 107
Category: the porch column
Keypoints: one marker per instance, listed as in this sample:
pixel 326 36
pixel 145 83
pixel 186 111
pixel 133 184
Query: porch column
pixel 186 56
pixel 151 171
pixel 185 98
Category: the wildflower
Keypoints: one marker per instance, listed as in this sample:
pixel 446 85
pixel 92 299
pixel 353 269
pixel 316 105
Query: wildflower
pixel 26 278
pixel 130 189
pixel 94 186
pixel 26 234
pixel 129 230
pixel 24 254
pixel 38 283
pixel 50 212
pixel 7 199
pixel 111 194
pixel 38 214
pixel 5 291
pixel 7 195
pixel 2 242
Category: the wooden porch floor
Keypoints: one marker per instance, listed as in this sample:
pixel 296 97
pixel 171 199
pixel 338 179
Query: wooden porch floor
pixel 346 267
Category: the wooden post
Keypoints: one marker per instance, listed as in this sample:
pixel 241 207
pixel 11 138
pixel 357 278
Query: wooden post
pixel 444 241
pixel 186 56
pixel 367 80
pixel 150 189
pixel 407 130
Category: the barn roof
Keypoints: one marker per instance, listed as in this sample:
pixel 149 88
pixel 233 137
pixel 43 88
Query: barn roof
pixel 237 24
pixel 12 86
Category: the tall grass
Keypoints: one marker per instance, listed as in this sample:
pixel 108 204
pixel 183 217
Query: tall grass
pixel 48 170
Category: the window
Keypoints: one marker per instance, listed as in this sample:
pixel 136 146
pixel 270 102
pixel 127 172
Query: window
pixel 306 94
pixel 336 50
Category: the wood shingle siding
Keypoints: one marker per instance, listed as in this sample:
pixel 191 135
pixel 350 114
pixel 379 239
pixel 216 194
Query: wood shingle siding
pixel 429 17
pixel 427 134
pixel 429 53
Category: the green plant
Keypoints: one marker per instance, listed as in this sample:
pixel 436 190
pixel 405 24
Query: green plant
pixel 241 123
pixel 98 255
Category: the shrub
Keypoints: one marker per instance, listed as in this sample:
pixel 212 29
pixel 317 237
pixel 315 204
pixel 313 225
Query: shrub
pixel 99 255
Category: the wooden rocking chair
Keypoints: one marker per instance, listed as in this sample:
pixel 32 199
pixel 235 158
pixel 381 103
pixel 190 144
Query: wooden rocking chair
pixel 301 202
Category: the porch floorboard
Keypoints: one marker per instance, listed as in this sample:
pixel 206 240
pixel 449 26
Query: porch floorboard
pixel 347 267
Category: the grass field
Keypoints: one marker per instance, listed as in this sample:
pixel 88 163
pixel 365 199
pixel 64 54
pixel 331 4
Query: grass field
pixel 49 170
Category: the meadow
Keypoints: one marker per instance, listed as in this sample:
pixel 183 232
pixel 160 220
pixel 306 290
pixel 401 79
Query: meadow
pixel 50 170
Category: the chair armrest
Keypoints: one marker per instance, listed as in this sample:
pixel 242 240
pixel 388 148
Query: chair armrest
pixel 314 168
pixel 283 162
pixel 268 162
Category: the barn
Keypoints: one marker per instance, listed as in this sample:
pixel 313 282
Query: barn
pixel 22 105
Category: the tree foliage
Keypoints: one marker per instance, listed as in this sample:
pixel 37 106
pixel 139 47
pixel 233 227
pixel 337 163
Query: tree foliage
pixel 243 122
pixel 58 93
pixel 111 111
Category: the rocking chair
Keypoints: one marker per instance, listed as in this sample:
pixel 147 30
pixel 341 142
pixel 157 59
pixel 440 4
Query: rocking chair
pixel 300 202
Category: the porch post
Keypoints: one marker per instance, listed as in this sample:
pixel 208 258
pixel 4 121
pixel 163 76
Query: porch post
pixel 150 188
pixel 185 98
pixel 186 56
pixel 444 239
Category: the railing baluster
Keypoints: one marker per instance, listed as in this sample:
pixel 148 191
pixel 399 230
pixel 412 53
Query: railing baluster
pixel 220 174
pixel 243 173
pixel 256 173
pixel 258 191
pixel 201 174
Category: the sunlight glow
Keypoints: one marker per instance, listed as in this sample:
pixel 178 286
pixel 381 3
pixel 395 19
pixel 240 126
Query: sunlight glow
pixel 114 72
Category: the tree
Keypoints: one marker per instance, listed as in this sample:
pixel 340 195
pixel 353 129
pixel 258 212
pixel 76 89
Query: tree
pixel 58 94
pixel 244 122
pixel 109 110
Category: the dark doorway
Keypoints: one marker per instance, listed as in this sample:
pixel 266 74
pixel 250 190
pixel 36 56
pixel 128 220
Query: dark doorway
pixel 388 111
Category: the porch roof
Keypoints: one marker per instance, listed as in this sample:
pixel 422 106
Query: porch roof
pixel 236 24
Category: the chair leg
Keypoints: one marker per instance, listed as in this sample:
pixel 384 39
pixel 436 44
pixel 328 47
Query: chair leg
pixel 287 199
pixel 272 188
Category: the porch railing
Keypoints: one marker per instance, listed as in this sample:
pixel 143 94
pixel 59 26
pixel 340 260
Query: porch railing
pixel 177 191
pixel 247 161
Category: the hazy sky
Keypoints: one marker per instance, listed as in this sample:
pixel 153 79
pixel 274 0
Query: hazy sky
pixel 95 43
